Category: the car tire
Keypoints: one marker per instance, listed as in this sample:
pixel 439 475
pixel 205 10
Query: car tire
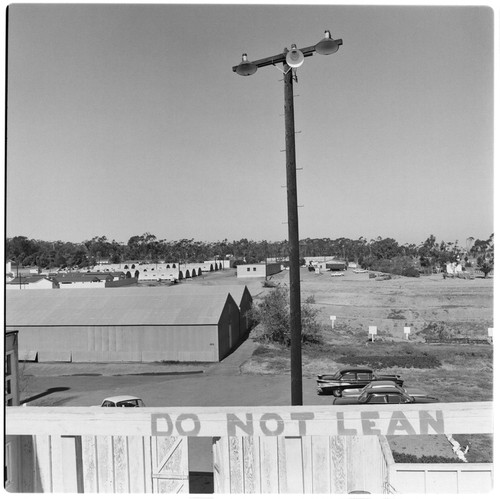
pixel 337 392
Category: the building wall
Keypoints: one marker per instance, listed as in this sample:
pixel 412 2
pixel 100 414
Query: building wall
pixel 441 478
pixel 119 283
pixel 188 343
pixel 11 379
pixel 257 269
pixel 229 328
pixel 41 284
pixel 82 285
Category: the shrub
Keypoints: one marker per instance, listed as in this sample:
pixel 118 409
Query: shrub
pixel 401 457
pixel 410 272
pixel 437 332
pixel 273 315
pixel 270 284
pixel 384 361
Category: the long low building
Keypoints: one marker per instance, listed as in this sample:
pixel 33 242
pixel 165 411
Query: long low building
pixel 241 295
pixel 123 325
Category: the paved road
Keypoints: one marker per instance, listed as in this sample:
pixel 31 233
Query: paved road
pixel 163 385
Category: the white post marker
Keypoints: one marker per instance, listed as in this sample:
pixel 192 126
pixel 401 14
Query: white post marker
pixel 490 334
pixel 372 330
pixel 407 332
pixel 332 318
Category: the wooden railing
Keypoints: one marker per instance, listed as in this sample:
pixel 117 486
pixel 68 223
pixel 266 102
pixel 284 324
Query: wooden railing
pixel 298 449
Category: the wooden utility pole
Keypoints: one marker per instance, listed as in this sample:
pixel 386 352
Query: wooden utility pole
pixel 293 242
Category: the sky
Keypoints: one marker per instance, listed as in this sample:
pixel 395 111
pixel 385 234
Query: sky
pixel 124 119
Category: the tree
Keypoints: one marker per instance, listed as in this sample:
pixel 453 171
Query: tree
pixel 486 267
pixel 273 314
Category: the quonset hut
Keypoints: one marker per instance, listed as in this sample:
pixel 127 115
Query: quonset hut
pixel 123 325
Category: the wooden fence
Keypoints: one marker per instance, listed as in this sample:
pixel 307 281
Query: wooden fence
pixel 313 449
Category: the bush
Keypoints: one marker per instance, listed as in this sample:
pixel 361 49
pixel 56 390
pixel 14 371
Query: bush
pixel 410 272
pixel 273 315
pixel 401 457
pixel 437 332
pixel 377 362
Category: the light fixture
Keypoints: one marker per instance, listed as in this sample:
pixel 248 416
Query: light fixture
pixel 294 58
pixel 327 46
pixel 246 67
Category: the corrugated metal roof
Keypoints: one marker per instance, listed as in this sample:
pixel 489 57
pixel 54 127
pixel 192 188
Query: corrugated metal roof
pixel 111 306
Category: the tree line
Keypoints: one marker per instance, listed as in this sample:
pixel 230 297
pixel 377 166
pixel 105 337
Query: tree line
pixel 374 254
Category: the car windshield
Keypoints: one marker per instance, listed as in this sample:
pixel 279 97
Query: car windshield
pixel 363 396
pixel 130 403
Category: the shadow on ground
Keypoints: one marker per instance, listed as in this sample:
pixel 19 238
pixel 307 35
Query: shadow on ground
pixel 45 393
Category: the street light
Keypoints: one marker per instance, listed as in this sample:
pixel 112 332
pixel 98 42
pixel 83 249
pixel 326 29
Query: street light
pixel 291 60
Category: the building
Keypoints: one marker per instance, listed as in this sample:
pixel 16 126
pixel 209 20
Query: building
pixel 240 294
pixel 82 280
pixel 133 324
pixel 30 282
pixel 258 269
pixel 12 455
pixel 11 370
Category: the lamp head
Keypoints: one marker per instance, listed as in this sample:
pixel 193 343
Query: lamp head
pixel 294 58
pixel 246 67
pixel 327 46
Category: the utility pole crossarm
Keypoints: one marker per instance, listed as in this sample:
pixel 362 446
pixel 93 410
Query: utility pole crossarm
pixel 280 58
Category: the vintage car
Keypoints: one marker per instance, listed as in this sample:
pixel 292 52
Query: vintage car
pixel 350 377
pixel 122 401
pixel 387 395
pixel 356 392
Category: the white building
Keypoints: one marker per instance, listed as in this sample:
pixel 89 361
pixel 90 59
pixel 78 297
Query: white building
pixel 258 269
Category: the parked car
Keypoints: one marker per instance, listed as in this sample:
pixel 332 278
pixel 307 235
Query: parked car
pixel 122 401
pixel 350 377
pixel 356 392
pixel 387 395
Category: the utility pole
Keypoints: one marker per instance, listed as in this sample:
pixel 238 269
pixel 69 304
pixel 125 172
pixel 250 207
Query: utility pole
pixel 293 242
pixel 291 61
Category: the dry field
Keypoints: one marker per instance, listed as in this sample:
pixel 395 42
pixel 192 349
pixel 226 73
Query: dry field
pixel 459 307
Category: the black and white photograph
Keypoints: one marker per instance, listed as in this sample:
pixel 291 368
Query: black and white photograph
pixel 249 247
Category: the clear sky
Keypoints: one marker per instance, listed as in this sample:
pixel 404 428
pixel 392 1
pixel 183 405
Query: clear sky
pixel 126 119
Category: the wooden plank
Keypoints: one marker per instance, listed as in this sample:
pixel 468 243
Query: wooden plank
pixel 136 465
pixel 307 464
pixel 105 463
pixel 294 465
pixel 235 446
pixel 121 469
pixel 412 419
pixel 269 465
pixel 218 467
pixel 321 465
pixel 354 459
pixel 338 465
pixel 282 461
pixel 251 467
pixel 27 472
pixel 222 481
pixel 89 464
pixel 59 465
pixel 43 464
pixel 148 469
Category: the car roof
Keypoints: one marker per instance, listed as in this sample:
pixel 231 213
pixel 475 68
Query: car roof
pixel 121 398
pixel 385 389
pixel 358 369
pixel 381 382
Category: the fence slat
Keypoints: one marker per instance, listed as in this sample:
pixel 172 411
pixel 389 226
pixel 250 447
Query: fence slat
pixel 89 464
